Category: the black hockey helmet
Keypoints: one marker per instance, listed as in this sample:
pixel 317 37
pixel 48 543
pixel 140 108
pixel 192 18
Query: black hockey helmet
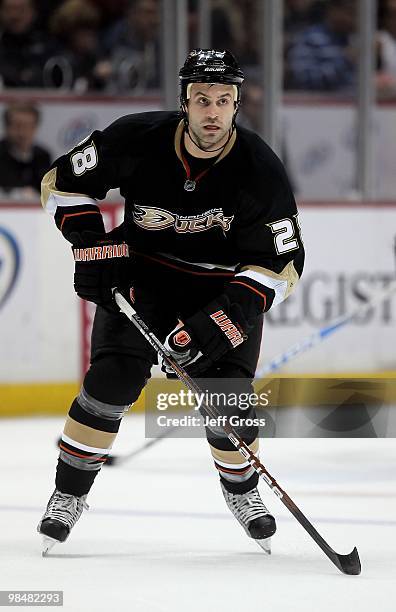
pixel 210 66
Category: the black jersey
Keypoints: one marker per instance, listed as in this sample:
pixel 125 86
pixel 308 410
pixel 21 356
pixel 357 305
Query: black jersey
pixel 241 216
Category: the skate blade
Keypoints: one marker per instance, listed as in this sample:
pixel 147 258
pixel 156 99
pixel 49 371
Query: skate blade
pixel 48 543
pixel 265 545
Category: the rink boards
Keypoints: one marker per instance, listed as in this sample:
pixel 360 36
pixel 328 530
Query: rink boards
pixel 45 328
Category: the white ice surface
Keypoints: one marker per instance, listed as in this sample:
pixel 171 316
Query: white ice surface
pixel 158 536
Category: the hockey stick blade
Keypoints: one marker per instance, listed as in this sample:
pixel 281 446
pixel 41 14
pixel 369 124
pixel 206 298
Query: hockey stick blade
pixel 348 564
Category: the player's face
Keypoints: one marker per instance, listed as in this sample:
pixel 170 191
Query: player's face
pixel 210 112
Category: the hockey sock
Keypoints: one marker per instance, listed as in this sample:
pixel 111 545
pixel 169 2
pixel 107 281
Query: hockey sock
pixel 86 443
pixel 236 474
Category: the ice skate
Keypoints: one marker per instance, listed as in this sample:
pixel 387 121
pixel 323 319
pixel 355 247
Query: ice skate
pixel 254 517
pixel 62 513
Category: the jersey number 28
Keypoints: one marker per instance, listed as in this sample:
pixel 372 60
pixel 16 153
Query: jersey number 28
pixel 285 239
pixel 84 160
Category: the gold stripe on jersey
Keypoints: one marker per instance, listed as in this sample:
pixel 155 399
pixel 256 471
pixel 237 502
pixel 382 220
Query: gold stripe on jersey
pixel 282 283
pixel 62 198
pixel 179 134
pixel 88 435
pixel 233 457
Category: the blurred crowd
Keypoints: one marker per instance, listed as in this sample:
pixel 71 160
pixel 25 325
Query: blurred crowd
pixel 114 45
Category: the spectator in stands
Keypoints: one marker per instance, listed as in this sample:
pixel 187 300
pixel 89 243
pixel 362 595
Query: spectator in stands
pixel 110 10
pixel 300 14
pixel 247 33
pixel 221 28
pixel 386 51
pixel 22 162
pixel 133 45
pixel 45 10
pixel 23 47
pixel 323 56
pixel 80 65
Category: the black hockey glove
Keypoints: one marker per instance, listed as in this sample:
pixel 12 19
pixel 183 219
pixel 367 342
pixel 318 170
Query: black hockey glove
pixel 220 326
pixel 101 263
pixel 211 332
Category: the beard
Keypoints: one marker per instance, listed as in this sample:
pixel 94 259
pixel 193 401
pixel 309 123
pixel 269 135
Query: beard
pixel 206 141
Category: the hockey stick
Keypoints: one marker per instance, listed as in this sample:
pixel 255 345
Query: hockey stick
pixel 281 360
pixel 321 334
pixel 348 564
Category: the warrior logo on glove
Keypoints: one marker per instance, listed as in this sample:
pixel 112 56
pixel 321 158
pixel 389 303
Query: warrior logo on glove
pixel 107 251
pixel 228 328
pixel 181 338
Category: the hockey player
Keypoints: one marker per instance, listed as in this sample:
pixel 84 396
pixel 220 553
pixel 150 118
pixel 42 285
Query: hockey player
pixel 211 230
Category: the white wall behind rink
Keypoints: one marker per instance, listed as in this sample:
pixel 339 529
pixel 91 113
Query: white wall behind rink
pixel 349 256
